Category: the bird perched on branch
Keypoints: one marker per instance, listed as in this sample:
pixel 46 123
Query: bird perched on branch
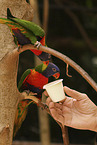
pixel 33 80
pixel 26 32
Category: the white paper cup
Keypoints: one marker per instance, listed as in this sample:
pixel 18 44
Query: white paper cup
pixel 55 90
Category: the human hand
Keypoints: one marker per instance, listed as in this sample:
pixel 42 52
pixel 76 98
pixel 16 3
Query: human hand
pixel 77 111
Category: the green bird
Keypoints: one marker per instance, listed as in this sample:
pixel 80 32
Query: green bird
pixel 33 80
pixel 26 32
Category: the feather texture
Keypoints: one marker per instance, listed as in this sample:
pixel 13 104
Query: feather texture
pixel 26 32
pixel 33 80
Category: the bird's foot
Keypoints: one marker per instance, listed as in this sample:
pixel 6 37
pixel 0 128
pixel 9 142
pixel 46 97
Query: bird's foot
pixel 29 93
pixel 32 94
pixel 37 44
pixel 44 106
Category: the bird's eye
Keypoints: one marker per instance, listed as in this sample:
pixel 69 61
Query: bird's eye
pixel 54 69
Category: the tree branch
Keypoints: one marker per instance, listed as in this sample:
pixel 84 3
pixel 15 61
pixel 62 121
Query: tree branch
pixel 67 60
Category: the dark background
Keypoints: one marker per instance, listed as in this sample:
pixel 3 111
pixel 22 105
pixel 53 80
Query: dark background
pixel 64 36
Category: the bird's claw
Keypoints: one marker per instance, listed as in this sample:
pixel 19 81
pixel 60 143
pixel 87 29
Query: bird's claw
pixel 44 106
pixel 37 44
pixel 29 93
pixel 32 94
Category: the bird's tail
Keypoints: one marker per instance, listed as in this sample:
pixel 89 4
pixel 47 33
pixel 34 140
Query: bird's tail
pixel 9 15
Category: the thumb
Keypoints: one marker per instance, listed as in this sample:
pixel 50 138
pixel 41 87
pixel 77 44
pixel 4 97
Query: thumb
pixel 74 94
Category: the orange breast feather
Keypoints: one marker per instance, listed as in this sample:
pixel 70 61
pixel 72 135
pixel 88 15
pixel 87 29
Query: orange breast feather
pixel 36 79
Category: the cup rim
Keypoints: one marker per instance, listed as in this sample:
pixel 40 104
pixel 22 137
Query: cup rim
pixel 52 83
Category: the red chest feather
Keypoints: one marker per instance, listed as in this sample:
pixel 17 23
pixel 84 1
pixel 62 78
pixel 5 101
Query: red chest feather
pixel 36 52
pixel 36 79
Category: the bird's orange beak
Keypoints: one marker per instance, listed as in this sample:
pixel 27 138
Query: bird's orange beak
pixel 56 75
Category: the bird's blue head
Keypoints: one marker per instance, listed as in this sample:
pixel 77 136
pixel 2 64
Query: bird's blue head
pixel 45 56
pixel 51 70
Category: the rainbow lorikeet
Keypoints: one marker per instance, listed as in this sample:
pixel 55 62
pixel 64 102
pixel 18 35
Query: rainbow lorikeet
pixel 33 80
pixel 26 32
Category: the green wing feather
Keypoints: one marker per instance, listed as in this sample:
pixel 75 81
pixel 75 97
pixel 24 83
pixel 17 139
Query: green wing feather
pixel 13 25
pixel 24 76
pixel 34 28
pixel 29 29
pixel 38 31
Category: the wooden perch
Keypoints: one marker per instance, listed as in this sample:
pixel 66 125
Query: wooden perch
pixel 67 60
